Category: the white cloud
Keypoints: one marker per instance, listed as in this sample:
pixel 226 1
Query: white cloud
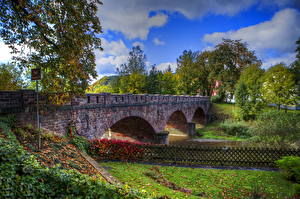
pixel 5 55
pixel 125 17
pixel 158 42
pixel 140 44
pixel 114 54
pixel 280 33
pixel 287 58
pixel 165 65
pixel 114 47
pixel 131 17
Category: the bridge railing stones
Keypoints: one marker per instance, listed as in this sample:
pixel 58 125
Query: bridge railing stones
pixel 111 99
pixel 27 98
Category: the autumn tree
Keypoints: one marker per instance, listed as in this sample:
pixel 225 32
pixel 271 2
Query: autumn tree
pixel 279 86
pixel 58 36
pixel 229 58
pixel 11 77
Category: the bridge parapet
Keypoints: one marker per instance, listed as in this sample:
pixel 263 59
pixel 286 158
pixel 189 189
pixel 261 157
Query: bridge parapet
pixel 26 98
pixel 112 99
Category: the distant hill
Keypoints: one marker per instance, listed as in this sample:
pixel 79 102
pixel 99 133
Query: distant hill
pixel 102 85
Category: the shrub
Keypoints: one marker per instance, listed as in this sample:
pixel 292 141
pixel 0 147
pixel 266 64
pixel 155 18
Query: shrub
pixel 9 120
pixel 279 126
pixel 21 176
pixel 116 149
pixel 291 167
pixel 239 129
pixel 216 99
pixel 80 142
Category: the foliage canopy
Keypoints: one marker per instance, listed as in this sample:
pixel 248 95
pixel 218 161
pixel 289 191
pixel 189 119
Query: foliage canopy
pixel 279 86
pixel 10 77
pixel 57 36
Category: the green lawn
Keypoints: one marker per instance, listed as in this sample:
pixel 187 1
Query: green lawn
pixel 202 183
pixel 225 108
pixel 210 131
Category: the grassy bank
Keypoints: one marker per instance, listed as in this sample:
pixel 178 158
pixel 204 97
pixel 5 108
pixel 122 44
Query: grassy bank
pixel 179 182
pixel 22 176
pixel 227 126
pixel 222 112
pixel 211 131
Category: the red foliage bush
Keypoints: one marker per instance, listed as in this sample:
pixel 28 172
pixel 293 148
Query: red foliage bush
pixel 116 149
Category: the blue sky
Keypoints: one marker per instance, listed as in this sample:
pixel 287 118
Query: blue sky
pixel 165 28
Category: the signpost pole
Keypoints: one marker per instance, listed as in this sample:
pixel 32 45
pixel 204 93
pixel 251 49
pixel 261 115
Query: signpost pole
pixel 36 75
pixel 37 114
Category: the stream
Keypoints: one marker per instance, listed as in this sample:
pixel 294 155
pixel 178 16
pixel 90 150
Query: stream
pixel 184 139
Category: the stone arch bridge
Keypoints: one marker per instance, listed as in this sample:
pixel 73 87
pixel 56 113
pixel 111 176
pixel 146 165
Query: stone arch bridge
pixel 94 114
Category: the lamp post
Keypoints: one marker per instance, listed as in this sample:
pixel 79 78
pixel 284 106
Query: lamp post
pixel 36 76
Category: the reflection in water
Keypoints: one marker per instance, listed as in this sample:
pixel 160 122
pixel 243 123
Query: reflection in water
pixel 186 140
pixel 177 136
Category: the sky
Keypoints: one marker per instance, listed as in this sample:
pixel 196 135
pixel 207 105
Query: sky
pixel 165 28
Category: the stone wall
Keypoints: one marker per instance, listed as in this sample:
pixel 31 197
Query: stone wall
pixel 96 113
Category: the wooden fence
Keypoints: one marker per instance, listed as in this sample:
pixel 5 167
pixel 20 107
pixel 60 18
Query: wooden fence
pixel 195 155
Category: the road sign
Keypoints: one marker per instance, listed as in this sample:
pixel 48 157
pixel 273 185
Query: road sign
pixel 36 74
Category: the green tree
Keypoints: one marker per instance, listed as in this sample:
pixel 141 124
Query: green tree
pixel 279 86
pixel 229 58
pixel 10 77
pixel 298 49
pixel 103 85
pixel 206 79
pixel 134 83
pixel 136 62
pixel 247 94
pixel 153 81
pixel 132 75
pixel 295 67
pixel 60 35
pixel 168 82
pixel 187 72
pixel 242 100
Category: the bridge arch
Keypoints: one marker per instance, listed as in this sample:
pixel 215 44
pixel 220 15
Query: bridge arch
pixel 176 119
pixel 199 116
pixel 131 128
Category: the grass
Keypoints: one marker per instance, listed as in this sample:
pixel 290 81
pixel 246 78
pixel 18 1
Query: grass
pixel 225 108
pixel 201 183
pixel 210 132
